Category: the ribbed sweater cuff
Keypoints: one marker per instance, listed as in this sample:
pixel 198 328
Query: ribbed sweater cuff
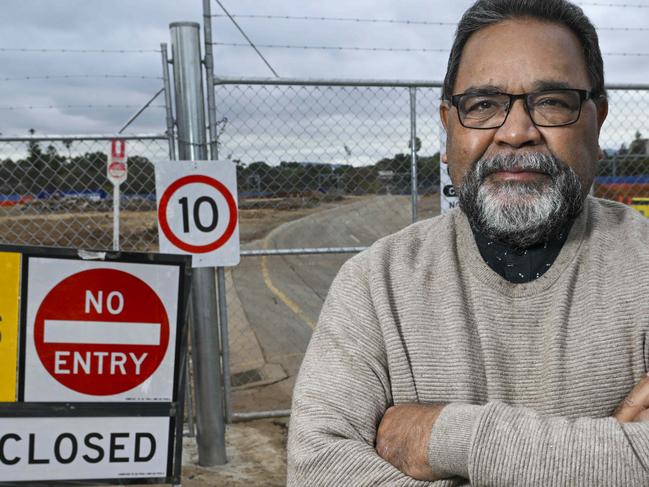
pixel 450 439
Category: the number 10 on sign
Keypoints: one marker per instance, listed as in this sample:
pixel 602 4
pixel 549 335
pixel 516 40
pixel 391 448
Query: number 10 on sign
pixel 197 211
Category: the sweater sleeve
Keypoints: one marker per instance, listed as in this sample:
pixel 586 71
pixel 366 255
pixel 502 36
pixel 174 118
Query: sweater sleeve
pixel 341 393
pixel 518 446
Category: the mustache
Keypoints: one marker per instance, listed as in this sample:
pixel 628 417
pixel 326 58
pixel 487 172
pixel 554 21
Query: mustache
pixel 529 162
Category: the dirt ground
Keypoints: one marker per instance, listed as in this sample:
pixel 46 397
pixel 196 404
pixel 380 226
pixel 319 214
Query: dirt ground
pixel 89 225
pixel 256 452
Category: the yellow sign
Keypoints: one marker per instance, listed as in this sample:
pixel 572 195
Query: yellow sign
pixel 9 306
pixel 641 204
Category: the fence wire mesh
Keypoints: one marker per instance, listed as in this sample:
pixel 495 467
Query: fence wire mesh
pixel 623 172
pixel 331 166
pixel 55 192
pixel 318 166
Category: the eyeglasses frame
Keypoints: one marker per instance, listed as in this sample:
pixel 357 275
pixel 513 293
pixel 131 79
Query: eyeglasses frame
pixel 584 95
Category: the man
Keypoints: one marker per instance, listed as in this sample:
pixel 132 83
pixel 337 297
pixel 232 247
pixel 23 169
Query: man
pixel 495 345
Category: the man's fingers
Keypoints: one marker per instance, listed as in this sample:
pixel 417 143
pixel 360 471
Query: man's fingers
pixel 634 403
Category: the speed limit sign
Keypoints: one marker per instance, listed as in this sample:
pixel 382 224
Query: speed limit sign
pixel 197 211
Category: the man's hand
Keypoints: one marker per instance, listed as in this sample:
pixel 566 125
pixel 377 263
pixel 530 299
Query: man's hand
pixel 635 406
pixel 403 435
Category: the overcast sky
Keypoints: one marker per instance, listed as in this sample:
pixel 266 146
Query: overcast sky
pixel 143 24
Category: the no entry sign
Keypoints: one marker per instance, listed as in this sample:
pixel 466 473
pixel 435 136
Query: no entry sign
pixel 111 335
pixel 97 393
pixel 117 171
pixel 100 331
pixel 197 211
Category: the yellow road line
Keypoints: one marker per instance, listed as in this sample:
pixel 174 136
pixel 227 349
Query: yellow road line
pixel 292 305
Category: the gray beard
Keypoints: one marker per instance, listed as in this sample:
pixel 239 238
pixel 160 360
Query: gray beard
pixel 517 213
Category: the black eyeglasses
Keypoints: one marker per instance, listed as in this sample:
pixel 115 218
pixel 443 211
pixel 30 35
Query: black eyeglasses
pixel 552 108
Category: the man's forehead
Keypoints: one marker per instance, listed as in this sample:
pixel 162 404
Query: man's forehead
pixel 522 55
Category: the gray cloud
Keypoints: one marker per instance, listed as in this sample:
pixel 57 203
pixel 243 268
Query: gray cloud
pixel 128 24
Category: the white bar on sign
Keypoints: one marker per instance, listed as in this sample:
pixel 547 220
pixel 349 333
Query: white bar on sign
pixel 101 332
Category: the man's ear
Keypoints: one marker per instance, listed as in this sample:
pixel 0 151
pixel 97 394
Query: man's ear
pixel 444 109
pixel 602 112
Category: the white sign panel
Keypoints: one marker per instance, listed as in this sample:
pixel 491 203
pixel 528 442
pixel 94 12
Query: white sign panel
pixel 100 331
pixel 447 194
pixel 78 448
pixel 197 211
pixel 447 190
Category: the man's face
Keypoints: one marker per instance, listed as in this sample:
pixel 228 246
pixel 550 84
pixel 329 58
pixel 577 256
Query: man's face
pixel 519 56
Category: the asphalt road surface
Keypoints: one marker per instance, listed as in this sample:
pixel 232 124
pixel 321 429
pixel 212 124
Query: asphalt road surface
pixel 281 296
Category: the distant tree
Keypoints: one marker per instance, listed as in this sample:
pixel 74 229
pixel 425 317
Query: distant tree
pixel 67 143
pixel 417 144
pixel 33 147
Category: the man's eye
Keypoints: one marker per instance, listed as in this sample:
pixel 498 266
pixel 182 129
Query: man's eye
pixel 481 106
pixel 552 102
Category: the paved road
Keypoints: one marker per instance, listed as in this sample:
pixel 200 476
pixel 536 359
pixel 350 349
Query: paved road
pixel 281 296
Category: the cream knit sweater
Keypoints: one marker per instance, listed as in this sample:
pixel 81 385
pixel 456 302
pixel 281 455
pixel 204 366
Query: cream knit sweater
pixel 532 371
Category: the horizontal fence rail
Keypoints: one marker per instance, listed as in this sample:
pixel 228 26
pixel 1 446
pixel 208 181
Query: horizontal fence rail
pixel 327 82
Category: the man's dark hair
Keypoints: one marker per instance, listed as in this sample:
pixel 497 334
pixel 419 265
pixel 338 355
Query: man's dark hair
pixel 488 12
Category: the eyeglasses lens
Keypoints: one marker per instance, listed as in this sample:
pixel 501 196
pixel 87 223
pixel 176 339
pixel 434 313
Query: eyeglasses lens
pixel 547 108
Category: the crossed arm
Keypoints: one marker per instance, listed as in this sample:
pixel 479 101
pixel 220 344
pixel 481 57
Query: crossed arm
pixel 344 430
pixel 405 439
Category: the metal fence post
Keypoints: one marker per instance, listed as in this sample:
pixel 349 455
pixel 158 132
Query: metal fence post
pixel 192 145
pixel 214 154
pixel 413 150
pixel 168 109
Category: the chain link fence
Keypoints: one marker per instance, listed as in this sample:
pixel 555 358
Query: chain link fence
pixel 327 167
pixel 324 170
pixel 54 192
pixel 623 173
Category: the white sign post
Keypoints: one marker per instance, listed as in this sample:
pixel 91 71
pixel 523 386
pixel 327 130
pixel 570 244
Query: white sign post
pixel 197 211
pixel 117 172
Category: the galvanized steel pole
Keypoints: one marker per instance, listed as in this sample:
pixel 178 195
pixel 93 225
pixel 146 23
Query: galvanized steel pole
pixel 413 151
pixel 192 145
pixel 214 153
pixel 171 136
pixel 209 78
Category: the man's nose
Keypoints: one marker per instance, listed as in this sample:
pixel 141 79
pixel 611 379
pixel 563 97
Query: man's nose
pixel 519 129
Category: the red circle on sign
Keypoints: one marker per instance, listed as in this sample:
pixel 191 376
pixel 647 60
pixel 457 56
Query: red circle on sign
pixel 173 238
pixel 117 169
pixel 119 341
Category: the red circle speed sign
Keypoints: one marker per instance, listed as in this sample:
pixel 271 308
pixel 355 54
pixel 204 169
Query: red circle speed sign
pixel 101 332
pixel 177 241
